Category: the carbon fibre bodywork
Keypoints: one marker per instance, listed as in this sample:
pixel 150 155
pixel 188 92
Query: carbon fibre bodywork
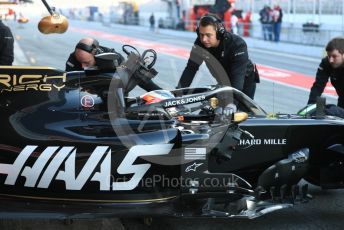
pixel 73 146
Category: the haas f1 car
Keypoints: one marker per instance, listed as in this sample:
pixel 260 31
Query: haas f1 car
pixel 73 145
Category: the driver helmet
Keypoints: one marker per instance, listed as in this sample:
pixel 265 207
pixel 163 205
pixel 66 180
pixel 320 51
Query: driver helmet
pixel 156 96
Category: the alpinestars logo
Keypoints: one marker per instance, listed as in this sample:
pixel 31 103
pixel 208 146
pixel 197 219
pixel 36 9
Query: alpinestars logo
pixel 61 166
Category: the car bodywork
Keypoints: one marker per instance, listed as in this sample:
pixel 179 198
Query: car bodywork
pixel 73 146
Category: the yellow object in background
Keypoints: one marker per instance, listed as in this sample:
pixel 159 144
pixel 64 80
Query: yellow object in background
pixel 135 6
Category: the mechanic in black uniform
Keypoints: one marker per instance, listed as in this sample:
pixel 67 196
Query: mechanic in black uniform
pixel 83 58
pixel 331 67
pixel 6 45
pixel 225 55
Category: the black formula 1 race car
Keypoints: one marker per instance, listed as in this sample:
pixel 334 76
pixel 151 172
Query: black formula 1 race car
pixel 74 146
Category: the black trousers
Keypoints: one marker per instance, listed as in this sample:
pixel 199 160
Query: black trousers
pixel 251 80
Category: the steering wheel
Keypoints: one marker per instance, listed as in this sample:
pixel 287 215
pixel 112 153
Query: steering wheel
pixel 128 49
pixel 141 65
pixel 149 57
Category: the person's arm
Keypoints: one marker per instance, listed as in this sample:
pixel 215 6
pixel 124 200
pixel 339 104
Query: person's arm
pixel 119 57
pixel 191 68
pixel 6 49
pixel 238 62
pixel 72 64
pixel 1 46
pixel 320 82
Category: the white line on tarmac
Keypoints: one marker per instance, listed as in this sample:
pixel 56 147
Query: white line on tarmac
pixel 297 87
pixel 258 50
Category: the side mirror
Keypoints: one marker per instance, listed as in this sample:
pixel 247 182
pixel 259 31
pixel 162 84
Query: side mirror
pixel 53 24
pixel 240 117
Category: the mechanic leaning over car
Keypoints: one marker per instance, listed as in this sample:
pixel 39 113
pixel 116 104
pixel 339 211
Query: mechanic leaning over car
pixel 6 45
pixel 83 58
pixel 213 42
pixel 331 67
pixel 83 55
